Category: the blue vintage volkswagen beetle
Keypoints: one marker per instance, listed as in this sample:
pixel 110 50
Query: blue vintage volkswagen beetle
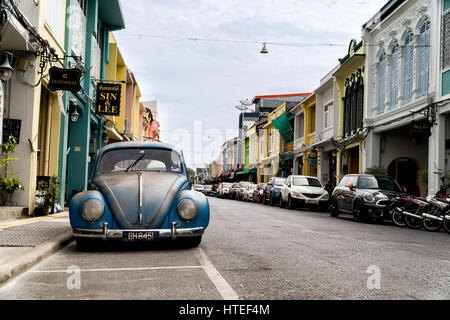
pixel 139 192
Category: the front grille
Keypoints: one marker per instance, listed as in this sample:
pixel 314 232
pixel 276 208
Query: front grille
pixel 311 195
pixel 385 202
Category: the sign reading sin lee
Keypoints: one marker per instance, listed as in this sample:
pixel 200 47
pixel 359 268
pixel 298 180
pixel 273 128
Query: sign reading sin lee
pixel 108 99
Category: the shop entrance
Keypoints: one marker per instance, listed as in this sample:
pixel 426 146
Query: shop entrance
pixel 405 171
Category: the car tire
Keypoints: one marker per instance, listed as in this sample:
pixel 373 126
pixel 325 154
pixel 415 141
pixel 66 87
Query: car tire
pixel 86 245
pixel 281 202
pixel 431 225
pixel 192 242
pixel 358 212
pixel 290 204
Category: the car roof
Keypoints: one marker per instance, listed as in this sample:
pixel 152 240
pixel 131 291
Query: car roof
pixel 300 176
pixel 140 144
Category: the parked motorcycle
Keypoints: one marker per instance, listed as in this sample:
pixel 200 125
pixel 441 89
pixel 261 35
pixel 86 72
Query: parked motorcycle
pixel 438 216
pixel 396 210
pixel 414 210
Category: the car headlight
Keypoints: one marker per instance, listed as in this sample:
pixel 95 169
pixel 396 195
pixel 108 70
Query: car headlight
pixel 326 196
pixel 187 209
pixel 368 197
pixel 93 210
pixel 297 194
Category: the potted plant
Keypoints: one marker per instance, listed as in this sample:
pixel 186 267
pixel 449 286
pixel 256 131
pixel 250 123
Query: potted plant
pixel 8 185
pixel 49 192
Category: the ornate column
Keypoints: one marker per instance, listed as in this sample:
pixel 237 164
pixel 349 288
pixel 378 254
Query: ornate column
pixel 373 111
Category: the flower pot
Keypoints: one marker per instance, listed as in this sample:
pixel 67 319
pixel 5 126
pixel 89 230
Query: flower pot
pixel 41 211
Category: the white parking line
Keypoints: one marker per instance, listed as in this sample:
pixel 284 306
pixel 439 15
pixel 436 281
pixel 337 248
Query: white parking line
pixel 121 269
pixel 224 288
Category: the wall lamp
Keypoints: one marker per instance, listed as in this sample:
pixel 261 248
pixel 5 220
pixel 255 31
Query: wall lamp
pixel 73 110
pixel 6 70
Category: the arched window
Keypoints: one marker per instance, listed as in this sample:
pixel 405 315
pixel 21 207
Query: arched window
pixel 381 82
pixel 408 68
pixel 393 76
pixel 424 58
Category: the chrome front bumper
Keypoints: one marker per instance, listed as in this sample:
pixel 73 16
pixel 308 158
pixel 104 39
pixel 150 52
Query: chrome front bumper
pixel 109 234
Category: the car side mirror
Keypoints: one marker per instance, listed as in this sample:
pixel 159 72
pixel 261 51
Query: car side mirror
pixel 405 190
pixel 350 186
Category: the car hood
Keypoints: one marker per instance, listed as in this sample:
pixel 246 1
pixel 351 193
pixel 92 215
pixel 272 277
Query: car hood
pixel 121 191
pixel 387 193
pixel 313 190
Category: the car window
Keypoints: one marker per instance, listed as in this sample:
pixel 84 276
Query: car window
pixel 227 185
pixel 253 186
pixel 304 181
pixel 368 183
pixel 344 182
pixel 244 184
pixel 387 183
pixel 353 180
pixel 140 159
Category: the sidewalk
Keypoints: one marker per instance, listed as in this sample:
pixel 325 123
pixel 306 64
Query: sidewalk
pixel 25 242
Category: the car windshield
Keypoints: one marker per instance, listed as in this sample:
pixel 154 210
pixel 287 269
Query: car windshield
pixel 278 181
pixel 208 187
pixel 253 187
pixel 235 185
pixel 379 182
pixel 306 182
pixel 227 185
pixel 244 184
pixel 140 159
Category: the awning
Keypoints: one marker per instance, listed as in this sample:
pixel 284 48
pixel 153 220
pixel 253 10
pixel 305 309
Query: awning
pixel 283 125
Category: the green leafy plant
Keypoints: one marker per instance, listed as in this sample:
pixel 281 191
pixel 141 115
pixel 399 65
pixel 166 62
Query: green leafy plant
pixel 11 185
pixel 9 181
pixel 49 191
pixel 376 170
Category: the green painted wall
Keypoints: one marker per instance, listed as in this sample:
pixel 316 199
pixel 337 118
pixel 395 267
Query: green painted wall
pixel 446 4
pixel 446 83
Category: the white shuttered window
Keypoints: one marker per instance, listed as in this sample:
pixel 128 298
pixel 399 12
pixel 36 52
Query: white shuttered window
pixel 408 68
pixel 381 82
pixel 424 58
pixel 393 76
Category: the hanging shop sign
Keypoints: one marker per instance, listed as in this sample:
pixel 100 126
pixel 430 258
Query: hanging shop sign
pixel 64 79
pixel 420 129
pixel 108 99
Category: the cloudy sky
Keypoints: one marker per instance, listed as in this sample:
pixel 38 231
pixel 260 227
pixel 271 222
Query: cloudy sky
pixel 198 83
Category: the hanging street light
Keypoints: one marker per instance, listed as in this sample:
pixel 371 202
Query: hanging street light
pixel 6 70
pixel 264 49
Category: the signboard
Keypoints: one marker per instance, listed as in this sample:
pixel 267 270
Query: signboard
pixel 422 128
pixel 64 79
pixel 108 99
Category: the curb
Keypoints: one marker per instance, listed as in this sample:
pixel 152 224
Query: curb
pixel 39 253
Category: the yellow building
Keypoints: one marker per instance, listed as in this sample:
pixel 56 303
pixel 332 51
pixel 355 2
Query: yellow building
pixel 126 126
pixel 273 145
pixel 253 157
pixel 310 156
pixel 350 80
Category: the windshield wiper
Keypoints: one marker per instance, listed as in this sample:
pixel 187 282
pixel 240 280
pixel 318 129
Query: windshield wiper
pixel 135 163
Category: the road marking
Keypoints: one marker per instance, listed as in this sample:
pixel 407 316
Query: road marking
pixel 121 269
pixel 224 288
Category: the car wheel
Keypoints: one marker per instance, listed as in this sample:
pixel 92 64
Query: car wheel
pixel 290 203
pixel 334 212
pixel 358 211
pixel 192 242
pixel 86 244
pixel 281 202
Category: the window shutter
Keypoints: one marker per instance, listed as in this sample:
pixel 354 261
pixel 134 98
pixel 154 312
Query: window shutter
pixel 394 76
pixel 381 82
pixel 408 68
pixel 424 58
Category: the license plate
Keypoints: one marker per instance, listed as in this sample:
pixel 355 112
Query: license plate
pixel 140 235
pixel 312 201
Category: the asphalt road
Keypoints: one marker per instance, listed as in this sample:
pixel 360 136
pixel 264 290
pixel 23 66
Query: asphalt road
pixel 251 251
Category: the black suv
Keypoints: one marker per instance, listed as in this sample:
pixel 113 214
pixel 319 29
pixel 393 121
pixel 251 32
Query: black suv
pixel 365 196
